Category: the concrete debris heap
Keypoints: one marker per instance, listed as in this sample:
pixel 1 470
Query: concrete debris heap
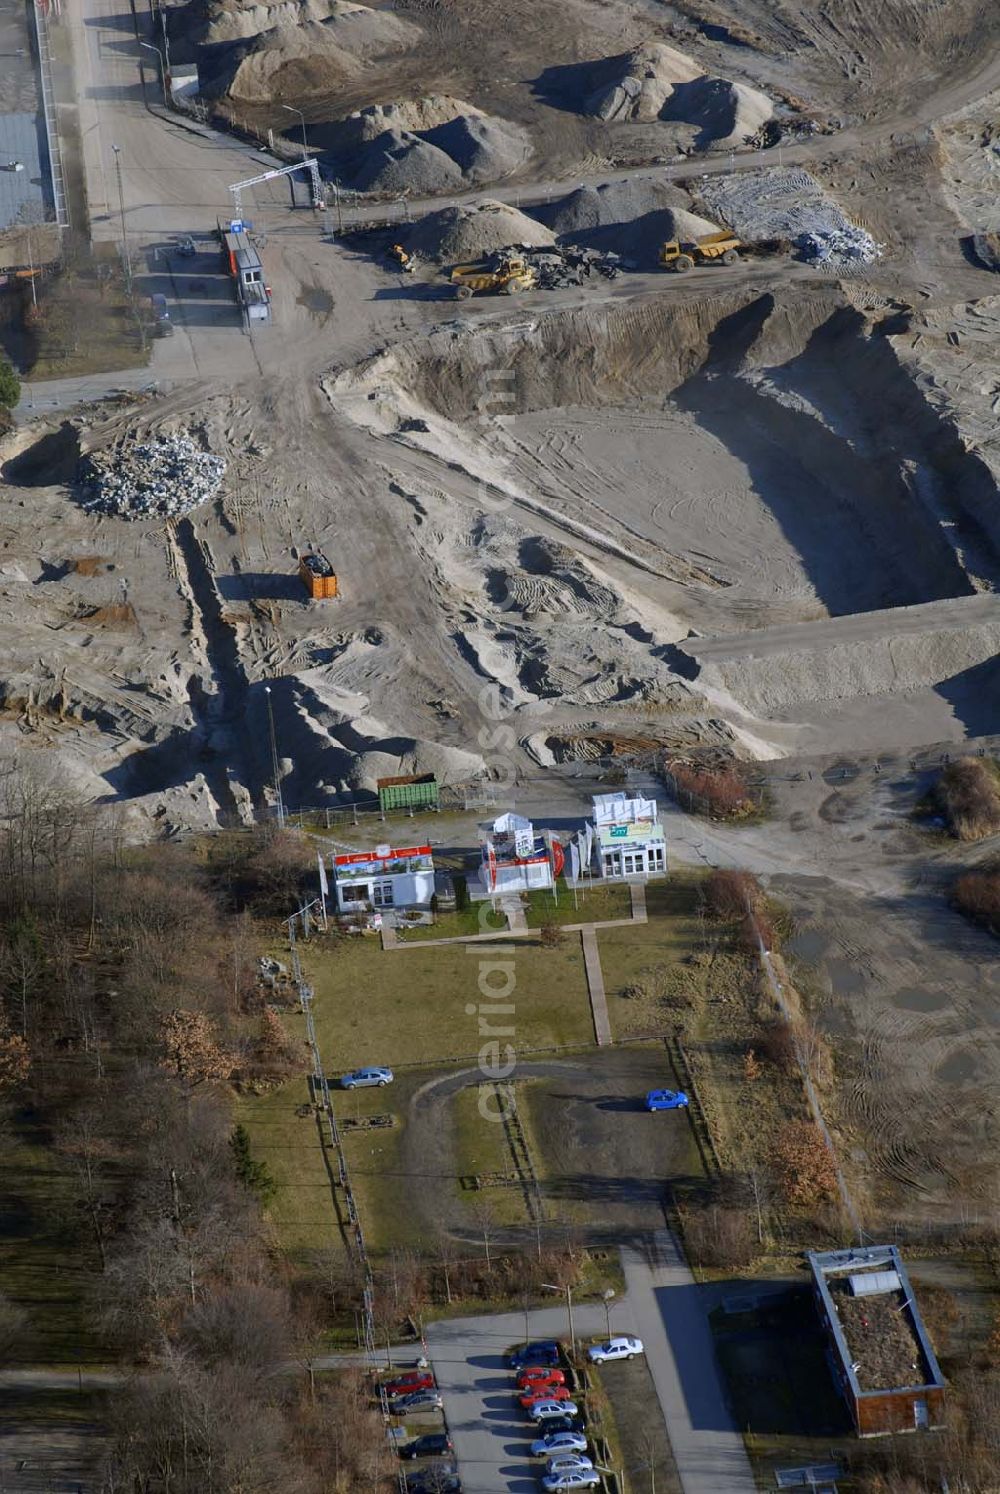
pixel 838 247
pixel 151 479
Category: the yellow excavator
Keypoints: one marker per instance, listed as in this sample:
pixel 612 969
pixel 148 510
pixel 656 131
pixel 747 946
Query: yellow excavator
pixel 508 274
pixel 406 262
pixel 715 248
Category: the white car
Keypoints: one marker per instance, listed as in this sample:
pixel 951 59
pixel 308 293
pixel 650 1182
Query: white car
pixel 582 1478
pixel 623 1347
pixel 569 1463
pixel 548 1410
pixel 559 1442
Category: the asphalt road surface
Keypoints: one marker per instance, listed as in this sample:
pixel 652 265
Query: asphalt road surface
pixel 665 1307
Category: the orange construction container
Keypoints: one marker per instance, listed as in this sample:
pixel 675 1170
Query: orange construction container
pixel 317 575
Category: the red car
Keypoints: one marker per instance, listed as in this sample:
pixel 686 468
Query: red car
pixel 535 1393
pixel 538 1376
pixel 411 1381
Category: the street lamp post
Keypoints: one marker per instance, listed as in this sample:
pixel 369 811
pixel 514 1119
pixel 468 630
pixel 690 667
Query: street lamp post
pixel 275 767
pixel 163 68
pixel 569 1309
pixel 608 1296
pixel 291 110
pixel 126 256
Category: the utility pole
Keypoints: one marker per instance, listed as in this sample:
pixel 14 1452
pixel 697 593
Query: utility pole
pixel 126 256
pixel 275 766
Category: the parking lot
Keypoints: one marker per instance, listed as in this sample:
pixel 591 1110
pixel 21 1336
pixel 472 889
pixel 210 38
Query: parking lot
pixel 491 1433
pixel 603 1164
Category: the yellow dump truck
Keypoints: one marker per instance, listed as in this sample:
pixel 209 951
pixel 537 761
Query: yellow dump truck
pixel 714 248
pixel 507 275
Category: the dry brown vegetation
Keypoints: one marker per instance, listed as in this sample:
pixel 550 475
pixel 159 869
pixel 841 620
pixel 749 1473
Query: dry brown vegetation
pixel 977 895
pixel 803 1164
pixel 967 796
pixel 720 792
pixel 123 984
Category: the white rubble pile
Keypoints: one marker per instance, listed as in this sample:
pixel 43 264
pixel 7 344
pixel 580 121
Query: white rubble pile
pixel 151 479
pixel 835 248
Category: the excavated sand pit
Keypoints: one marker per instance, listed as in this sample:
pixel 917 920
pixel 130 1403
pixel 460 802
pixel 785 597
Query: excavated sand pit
pixel 744 463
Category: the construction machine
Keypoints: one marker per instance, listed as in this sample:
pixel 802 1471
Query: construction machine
pixel 508 274
pixel 714 248
pixel 406 262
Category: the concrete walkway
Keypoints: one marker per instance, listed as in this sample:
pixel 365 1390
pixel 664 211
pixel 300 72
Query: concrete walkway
pixel 669 1308
pixel 511 908
pixel 595 985
pixel 501 934
pixel 637 892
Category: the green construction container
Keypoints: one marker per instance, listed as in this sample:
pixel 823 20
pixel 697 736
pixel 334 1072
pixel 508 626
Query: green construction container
pixel 413 791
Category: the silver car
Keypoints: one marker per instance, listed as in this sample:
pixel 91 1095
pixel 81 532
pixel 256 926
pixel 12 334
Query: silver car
pixel 366 1078
pixel 417 1400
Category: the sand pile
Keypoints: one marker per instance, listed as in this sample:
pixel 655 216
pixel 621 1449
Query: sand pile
pixel 630 217
pixel 423 145
pixel 297 53
pixel 725 113
pixel 400 162
pixel 362 31
pixel 415 115
pixel 640 83
pixel 337 745
pixel 658 82
pixel 458 235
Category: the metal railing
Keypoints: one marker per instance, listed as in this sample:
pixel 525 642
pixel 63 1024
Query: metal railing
pixel 44 53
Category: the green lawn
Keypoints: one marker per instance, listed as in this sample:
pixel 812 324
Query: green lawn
pixel 479 919
pixel 412 1007
pixel 481 1146
pixel 302 1210
pixel 589 905
pixel 672 933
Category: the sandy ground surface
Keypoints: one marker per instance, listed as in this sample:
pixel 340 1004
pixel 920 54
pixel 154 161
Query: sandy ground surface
pixel 753 508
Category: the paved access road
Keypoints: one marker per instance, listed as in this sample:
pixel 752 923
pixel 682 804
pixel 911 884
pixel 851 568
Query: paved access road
pixel 665 1307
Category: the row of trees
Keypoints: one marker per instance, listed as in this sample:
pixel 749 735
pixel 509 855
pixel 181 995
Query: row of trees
pixel 129 1013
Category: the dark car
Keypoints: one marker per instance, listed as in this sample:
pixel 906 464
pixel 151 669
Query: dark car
pixel 440 1478
pixel 544 1353
pixel 430 1445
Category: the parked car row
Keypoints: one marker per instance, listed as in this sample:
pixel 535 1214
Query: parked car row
pixel 412 1392
pixel 542 1391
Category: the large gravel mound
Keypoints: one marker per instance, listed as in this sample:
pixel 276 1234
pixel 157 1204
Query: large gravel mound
pixel 485 149
pixel 459 235
pixel 364 32
pixel 400 162
pixel 413 115
pixel 629 217
pixel 423 145
pixel 639 83
pixel 725 113
pixel 296 55
pixel 658 82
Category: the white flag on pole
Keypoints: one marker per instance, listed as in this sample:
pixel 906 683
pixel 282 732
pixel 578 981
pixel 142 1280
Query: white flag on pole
pixel 574 862
pixel 324 885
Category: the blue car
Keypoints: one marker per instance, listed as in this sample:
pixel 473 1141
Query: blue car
pixel 363 1078
pixel 666 1099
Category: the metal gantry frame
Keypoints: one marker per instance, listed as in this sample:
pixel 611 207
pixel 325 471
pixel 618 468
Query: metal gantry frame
pixel 309 164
